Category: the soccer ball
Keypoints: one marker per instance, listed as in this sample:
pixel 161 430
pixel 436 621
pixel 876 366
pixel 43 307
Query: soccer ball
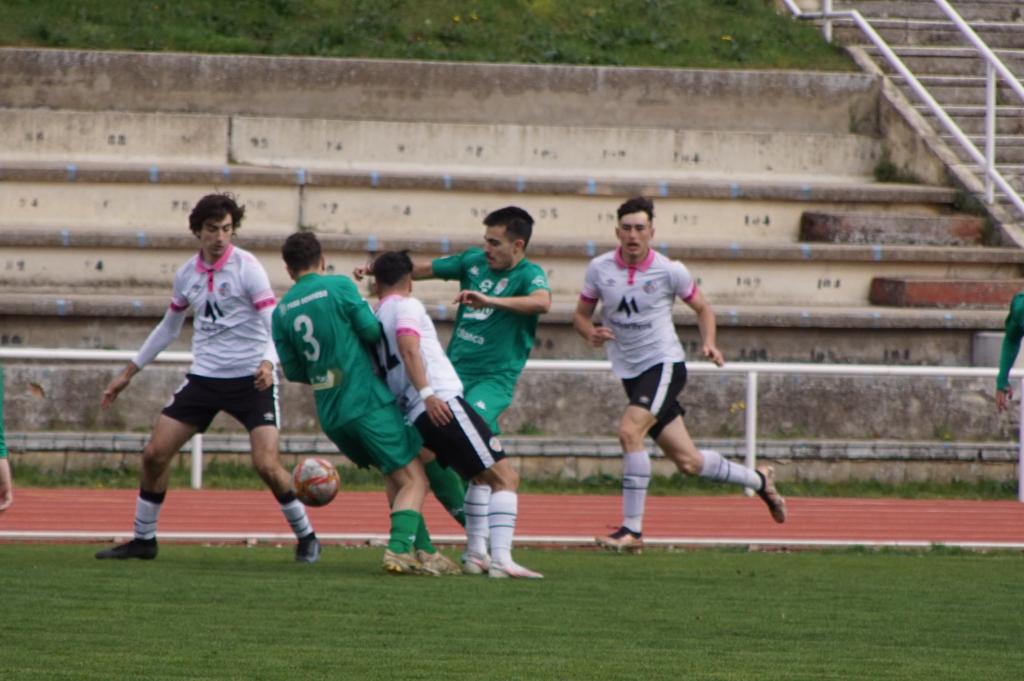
pixel 316 481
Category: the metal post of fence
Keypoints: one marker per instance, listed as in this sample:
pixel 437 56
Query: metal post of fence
pixel 990 132
pixel 826 25
pixel 751 424
pixel 197 461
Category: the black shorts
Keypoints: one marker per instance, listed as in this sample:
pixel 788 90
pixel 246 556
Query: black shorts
pixel 465 443
pixel 199 399
pixel 657 390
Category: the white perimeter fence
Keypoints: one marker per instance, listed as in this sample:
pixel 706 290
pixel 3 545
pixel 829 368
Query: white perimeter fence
pixel 751 369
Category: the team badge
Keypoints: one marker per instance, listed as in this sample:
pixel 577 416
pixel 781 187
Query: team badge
pixel 224 289
pixel 495 444
pixel 649 286
pixel 500 286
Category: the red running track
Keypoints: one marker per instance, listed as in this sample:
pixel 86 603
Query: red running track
pixel 219 515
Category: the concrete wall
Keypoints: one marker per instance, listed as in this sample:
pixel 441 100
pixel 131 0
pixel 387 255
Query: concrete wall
pixel 566 404
pixel 437 91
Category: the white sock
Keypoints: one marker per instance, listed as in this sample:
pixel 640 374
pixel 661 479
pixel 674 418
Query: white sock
pixel 718 468
pixel 636 476
pixel 478 499
pixel 504 508
pixel 295 513
pixel 146 515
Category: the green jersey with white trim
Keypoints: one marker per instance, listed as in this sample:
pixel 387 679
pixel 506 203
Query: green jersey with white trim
pixel 489 341
pixel 323 331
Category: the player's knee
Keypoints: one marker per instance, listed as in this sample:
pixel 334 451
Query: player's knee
pixel 155 458
pixel 685 462
pixel 503 477
pixel 631 437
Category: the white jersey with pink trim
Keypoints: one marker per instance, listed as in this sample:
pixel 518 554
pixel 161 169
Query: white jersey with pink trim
pixel 400 316
pixel 228 300
pixel 636 304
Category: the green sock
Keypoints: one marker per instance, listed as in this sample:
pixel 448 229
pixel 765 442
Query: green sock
pixel 404 528
pixel 449 489
pixel 423 542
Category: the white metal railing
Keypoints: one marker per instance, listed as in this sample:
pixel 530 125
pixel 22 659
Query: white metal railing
pixel 994 66
pixel 750 369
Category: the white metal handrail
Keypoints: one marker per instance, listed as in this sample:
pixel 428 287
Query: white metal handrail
pixel 750 369
pixel 993 178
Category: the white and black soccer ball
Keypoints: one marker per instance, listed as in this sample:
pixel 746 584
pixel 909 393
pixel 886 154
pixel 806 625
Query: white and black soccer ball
pixel 316 481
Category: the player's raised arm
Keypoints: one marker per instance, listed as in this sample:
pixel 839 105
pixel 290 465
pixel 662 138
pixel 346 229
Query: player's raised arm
pixel 537 302
pixel 421 270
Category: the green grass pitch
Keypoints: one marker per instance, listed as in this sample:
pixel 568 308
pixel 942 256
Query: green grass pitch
pixel 229 612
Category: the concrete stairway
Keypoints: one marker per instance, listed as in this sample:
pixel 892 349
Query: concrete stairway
pixel 950 68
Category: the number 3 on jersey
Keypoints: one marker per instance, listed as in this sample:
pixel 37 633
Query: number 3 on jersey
pixel 304 325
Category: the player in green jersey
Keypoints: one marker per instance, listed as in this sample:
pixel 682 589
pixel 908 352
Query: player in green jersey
pixel 501 296
pixel 1011 347
pixel 321 328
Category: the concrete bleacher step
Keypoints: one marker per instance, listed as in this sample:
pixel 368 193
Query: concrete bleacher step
pixel 958 90
pixel 886 228
pixel 925 60
pixel 376 205
pixel 944 293
pixel 113 136
pixel 971 10
pixel 312 143
pixel 1009 148
pixel 512 149
pixel 784 333
pixel 971 119
pixel 796 274
pixel 996 34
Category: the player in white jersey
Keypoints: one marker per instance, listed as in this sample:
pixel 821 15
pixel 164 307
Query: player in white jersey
pixel 429 391
pixel 636 287
pixel 233 370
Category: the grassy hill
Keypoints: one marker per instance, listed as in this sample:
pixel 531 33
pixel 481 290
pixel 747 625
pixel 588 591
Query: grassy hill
pixel 746 34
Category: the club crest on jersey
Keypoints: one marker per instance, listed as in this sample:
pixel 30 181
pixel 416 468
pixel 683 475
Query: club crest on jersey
pixel 495 444
pixel 649 286
pixel 224 289
pixel 500 286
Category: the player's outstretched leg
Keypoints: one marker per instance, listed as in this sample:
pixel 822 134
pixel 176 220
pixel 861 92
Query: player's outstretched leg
pixel 267 462
pixel 448 487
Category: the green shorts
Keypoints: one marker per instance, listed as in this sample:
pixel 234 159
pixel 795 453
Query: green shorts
pixel 382 439
pixel 490 396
